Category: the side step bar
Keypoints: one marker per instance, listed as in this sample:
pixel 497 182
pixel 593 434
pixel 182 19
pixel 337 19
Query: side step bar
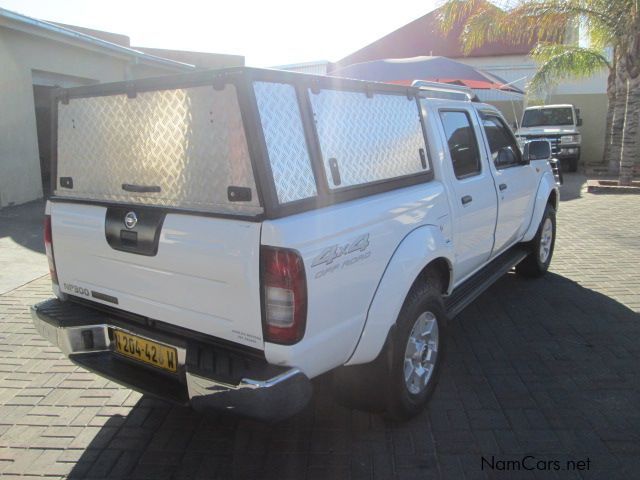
pixel 471 288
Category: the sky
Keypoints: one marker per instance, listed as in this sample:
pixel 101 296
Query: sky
pixel 267 33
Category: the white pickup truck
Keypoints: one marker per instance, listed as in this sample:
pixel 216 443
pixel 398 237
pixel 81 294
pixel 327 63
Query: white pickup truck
pixel 220 238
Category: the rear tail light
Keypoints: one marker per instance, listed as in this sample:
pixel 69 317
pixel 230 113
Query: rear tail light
pixel 48 246
pixel 284 295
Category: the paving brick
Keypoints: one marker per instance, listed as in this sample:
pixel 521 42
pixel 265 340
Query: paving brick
pixel 547 367
pixel 105 462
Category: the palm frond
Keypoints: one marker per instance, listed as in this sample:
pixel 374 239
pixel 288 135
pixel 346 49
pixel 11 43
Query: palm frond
pixel 487 26
pixel 610 18
pixel 527 21
pixel 490 26
pixel 561 62
pixel 454 12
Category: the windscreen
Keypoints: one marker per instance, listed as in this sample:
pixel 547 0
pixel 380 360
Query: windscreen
pixel 541 117
pixel 181 148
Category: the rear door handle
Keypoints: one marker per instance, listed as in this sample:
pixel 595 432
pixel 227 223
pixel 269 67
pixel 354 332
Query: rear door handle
pixel 335 171
pixel 467 199
pixel 129 187
pixel 502 186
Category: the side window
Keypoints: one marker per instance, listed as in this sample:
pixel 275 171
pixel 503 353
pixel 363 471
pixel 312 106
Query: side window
pixel 463 146
pixel 504 148
pixel 284 134
pixel 368 139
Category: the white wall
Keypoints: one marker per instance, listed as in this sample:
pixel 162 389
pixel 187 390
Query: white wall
pixel 316 68
pixel 512 68
pixel 20 54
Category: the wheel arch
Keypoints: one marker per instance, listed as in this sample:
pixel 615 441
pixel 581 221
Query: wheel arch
pixel 554 199
pixel 440 266
pixel 423 251
pixel 547 193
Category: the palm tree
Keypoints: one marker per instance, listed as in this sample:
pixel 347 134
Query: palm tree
pixel 612 25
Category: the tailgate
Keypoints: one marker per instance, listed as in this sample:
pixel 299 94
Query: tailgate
pixel 155 205
pixel 204 275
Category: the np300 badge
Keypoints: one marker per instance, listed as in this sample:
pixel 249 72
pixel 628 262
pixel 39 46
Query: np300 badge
pixel 130 220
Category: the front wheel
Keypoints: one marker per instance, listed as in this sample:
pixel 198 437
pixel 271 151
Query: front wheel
pixel 537 262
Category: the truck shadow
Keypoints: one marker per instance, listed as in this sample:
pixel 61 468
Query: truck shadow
pixel 535 367
pixel 23 224
pixel 572 186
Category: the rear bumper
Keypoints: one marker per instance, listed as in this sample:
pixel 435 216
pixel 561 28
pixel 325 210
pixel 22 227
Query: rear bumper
pixel 209 377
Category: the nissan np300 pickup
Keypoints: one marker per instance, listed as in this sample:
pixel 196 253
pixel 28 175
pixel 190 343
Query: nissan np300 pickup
pixel 218 239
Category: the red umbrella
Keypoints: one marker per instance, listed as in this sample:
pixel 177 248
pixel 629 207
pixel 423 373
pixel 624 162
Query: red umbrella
pixel 404 71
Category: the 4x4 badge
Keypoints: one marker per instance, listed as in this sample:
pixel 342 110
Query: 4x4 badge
pixel 130 220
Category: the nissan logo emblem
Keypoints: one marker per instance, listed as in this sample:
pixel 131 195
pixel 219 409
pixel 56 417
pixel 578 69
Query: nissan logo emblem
pixel 130 220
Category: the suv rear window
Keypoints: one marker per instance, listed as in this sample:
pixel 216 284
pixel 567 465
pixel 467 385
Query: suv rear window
pixel 540 117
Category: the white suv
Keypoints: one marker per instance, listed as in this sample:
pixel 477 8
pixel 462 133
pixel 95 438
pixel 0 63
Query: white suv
pixel 558 124
pixel 220 238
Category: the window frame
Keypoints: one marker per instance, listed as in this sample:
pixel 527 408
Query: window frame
pixel 242 78
pixel 370 93
pixel 300 115
pixel 475 137
pixel 304 86
pixel 518 152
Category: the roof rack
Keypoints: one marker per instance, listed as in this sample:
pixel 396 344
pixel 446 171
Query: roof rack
pixel 445 90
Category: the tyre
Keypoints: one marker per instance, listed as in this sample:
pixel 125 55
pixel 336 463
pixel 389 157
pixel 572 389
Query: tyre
pixel 572 164
pixel 537 262
pixel 416 350
pixel 401 379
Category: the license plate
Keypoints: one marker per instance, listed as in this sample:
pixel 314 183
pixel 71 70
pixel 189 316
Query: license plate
pixel 146 351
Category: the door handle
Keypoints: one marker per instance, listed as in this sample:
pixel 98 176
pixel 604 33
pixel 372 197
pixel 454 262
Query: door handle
pixel 129 187
pixel 502 186
pixel 467 199
pixel 335 171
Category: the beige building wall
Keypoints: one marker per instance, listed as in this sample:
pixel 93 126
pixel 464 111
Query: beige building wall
pixel 590 96
pixel 593 109
pixel 512 111
pixel 25 57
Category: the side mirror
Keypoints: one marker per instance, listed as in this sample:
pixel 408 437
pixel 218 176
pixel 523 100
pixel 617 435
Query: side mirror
pixel 537 150
pixel 579 122
pixel 506 157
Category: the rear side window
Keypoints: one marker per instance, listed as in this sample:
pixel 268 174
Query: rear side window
pixel 462 143
pixel 284 134
pixel 366 139
pixel 504 148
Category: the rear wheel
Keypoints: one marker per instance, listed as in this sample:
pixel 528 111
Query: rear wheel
pixel 400 381
pixel 416 350
pixel 537 262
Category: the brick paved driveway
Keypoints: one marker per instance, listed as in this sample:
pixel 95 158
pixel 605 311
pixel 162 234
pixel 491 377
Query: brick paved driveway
pixel 549 368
